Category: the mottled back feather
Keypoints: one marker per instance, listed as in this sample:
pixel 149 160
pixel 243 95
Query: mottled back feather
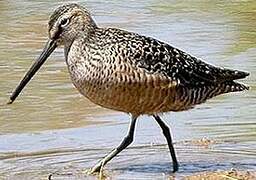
pixel 155 56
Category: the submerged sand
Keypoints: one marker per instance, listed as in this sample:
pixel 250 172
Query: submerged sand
pixel 232 174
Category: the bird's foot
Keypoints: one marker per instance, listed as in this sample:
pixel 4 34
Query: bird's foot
pixel 98 168
pixel 175 167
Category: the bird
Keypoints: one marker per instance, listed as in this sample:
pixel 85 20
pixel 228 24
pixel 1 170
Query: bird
pixel 131 73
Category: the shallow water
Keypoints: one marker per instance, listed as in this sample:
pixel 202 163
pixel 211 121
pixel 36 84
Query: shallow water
pixel 52 129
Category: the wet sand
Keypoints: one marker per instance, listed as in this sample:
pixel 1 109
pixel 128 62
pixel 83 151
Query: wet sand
pixel 224 175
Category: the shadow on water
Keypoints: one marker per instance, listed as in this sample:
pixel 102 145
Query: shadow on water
pixel 51 129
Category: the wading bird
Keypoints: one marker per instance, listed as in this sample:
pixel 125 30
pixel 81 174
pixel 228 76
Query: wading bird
pixel 128 72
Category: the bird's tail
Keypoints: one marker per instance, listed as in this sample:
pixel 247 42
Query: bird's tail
pixel 230 75
pixel 232 86
pixel 200 95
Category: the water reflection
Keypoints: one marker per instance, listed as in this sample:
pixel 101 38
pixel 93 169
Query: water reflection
pixel 46 128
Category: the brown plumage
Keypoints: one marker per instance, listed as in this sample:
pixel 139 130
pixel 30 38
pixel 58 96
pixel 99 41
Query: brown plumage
pixel 131 73
pixel 140 75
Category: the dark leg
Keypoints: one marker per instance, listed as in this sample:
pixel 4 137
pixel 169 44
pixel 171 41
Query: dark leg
pixel 126 141
pixel 167 134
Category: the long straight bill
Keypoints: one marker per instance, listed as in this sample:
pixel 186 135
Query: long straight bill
pixel 48 49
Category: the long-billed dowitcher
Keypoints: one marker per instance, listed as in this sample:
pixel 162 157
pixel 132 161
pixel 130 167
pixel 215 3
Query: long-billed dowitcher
pixel 128 72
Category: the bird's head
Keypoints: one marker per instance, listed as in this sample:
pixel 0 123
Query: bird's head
pixel 69 21
pixel 66 23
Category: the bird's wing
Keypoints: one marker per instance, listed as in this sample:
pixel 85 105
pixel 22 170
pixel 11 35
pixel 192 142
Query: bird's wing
pixel 157 57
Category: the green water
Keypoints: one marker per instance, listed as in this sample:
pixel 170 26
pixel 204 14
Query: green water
pixel 51 128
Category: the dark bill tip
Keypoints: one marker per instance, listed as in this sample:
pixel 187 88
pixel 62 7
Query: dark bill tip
pixel 48 49
pixel 10 102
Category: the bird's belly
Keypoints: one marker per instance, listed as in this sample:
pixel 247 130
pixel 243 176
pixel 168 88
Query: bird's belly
pixel 132 98
pixel 136 93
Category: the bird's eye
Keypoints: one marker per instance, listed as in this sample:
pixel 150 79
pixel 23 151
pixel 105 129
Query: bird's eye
pixel 64 22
